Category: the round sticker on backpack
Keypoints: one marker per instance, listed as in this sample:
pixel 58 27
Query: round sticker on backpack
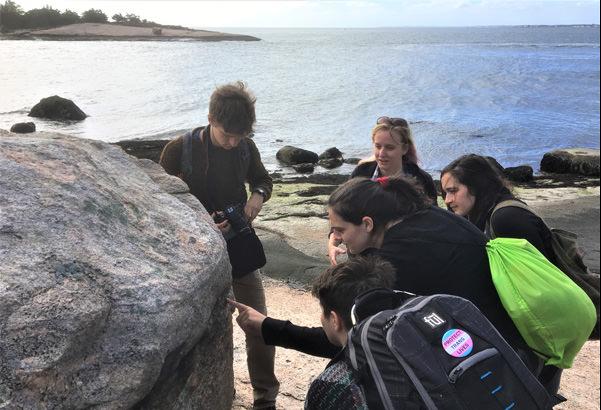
pixel 457 343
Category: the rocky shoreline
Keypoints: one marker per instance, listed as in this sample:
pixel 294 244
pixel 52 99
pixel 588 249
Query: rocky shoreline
pixel 116 194
pixel 293 223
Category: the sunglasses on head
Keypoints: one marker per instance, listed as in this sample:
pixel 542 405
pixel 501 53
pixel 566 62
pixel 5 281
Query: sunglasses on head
pixel 393 121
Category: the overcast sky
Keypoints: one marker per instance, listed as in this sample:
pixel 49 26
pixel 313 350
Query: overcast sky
pixel 341 13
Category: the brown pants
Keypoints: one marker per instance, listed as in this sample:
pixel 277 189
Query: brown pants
pixel 260 357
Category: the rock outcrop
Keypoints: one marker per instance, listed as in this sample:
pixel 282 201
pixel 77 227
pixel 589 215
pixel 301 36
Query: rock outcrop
pixel 23 127
pixel 331 158
pixel 150 149
pixel 112 285
pixel 57 108
pixel 304 168
pixel 290 155
pixel 521 173
pixel 583 161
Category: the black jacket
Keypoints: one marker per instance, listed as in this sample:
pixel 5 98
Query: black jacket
pixel 424 179
pixel 433 251
pixel 513 222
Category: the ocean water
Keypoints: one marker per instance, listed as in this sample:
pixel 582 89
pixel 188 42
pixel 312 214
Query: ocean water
pixel 510 92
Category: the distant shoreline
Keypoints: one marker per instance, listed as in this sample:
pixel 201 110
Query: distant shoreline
pixel 115 32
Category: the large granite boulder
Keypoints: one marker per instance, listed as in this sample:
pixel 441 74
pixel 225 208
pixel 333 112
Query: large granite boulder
pixel 112 285
pixel 57 108
pixel 584 161
pixel 290 155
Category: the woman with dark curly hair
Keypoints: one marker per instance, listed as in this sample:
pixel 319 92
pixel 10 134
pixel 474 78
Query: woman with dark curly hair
pixel 472 187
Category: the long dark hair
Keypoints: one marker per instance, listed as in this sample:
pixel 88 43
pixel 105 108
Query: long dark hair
pixel 483 180
pixel 383 200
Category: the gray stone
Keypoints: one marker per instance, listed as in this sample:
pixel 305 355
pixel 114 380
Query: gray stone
pixel 583 161
pixel 522 173
pixel 352 161
pixel 290 155
pixel 331 153
pixel 493 161
pixel 317 190
pixel 57 108
pixel 23 127
pixel 112 290
pixel 330 163
pixel 149 149
pixel 304 168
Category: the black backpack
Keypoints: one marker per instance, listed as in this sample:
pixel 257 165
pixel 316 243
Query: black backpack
pixel 436 352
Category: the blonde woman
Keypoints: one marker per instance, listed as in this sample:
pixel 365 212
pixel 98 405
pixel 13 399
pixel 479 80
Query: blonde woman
pixel 394 154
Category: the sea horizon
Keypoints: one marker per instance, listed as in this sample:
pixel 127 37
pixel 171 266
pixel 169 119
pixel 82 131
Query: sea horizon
pixel 511 92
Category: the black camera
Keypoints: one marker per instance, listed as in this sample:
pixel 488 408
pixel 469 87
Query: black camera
pixel 236 217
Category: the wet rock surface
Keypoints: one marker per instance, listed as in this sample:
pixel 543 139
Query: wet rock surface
pixel 148 149
pixel 522 173
pixel 57 108
pixel 582 161
pixel 23 128
pixel 290 155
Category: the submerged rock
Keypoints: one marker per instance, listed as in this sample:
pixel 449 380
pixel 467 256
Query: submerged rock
pixel 305 168
pixel 352 161
pixel 57 108
pixel 112 292
pixel 522 173
pixel 493 161
pixel 583 161
pixel 331 153
pixel 330 163
pixel 331 158
pixel 23 127
pixel 290 155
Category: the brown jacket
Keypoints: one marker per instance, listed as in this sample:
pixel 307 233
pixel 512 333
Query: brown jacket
pixel 249 169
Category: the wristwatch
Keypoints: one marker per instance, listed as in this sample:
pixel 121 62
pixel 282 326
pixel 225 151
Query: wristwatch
pixel 261 192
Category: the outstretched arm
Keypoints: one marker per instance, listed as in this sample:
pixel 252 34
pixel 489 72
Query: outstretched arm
pixel 309 340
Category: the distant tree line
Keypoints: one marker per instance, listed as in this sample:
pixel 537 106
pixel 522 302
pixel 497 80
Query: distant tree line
pixel 12 17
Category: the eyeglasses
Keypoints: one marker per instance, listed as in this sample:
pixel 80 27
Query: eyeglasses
pixel 393 121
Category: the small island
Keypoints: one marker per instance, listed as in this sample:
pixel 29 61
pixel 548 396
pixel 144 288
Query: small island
pixel 115 32
pixel 48 23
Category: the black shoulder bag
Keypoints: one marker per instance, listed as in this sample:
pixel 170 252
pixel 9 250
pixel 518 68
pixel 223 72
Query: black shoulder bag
pixel 244 247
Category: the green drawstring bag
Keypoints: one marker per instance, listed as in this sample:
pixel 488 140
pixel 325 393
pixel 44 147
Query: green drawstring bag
pixel 554 316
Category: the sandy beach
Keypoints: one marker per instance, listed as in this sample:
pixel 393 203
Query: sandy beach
pixel 293 229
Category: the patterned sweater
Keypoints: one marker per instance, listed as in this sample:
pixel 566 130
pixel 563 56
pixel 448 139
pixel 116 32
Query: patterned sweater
pixel 335 388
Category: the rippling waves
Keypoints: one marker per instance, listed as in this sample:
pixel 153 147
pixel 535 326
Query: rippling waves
pixel 510 92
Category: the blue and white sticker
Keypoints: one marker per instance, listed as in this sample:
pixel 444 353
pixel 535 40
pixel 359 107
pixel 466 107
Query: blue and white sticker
pixel 457 343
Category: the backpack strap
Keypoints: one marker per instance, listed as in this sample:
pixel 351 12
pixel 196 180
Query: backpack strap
pixel 504 204
pixel 186 157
